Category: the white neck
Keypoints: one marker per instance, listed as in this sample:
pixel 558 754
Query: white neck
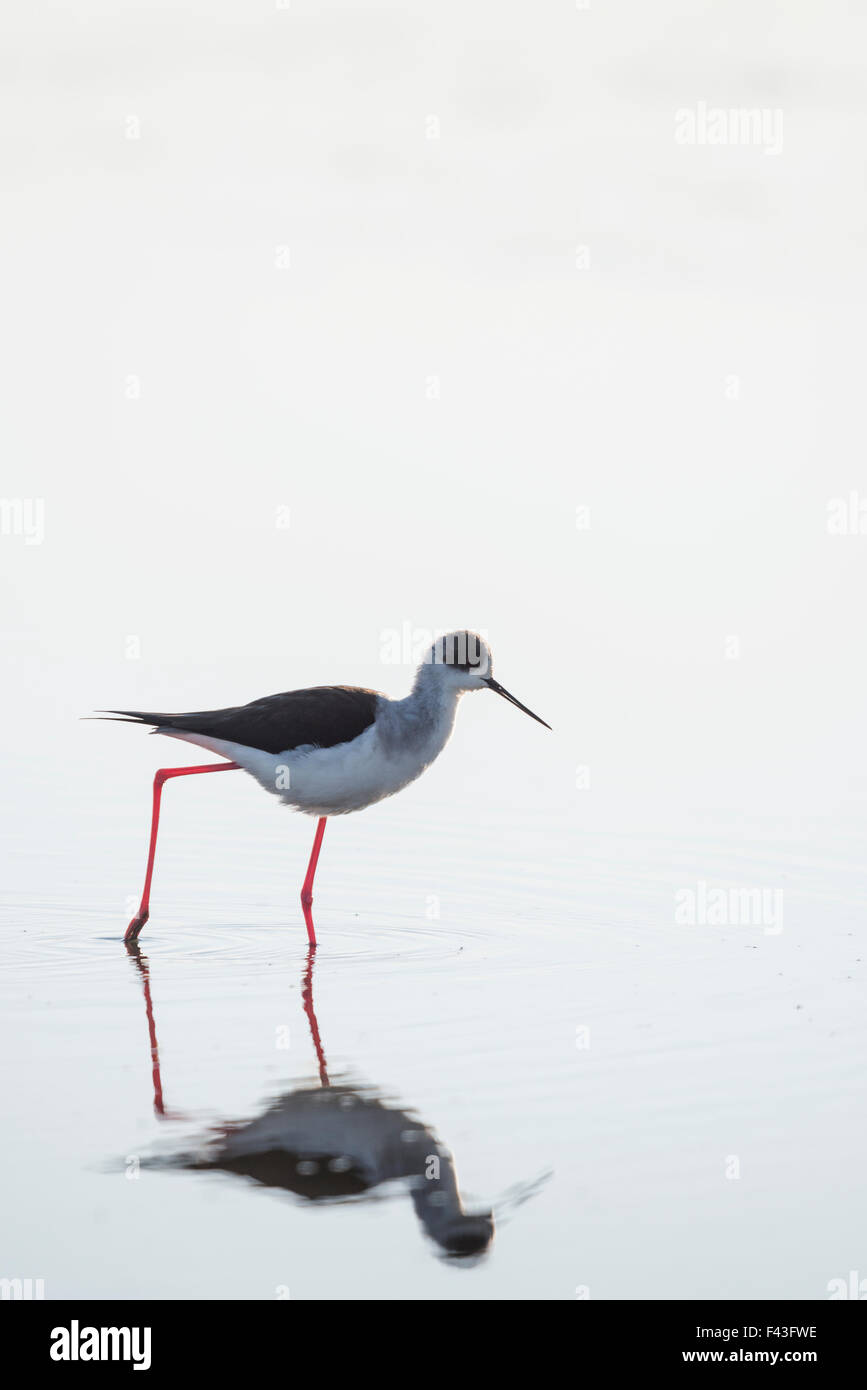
pixel 423 721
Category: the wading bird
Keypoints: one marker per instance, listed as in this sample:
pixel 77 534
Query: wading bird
pixel 332 749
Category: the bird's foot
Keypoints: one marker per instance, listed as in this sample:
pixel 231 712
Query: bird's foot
pixel 131 934
pixel 306 901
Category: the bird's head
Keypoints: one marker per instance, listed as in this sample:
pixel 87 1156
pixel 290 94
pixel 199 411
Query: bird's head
pixel 466 1235
pixel 463 661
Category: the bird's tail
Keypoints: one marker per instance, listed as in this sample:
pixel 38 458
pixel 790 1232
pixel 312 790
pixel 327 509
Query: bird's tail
pixel 134 716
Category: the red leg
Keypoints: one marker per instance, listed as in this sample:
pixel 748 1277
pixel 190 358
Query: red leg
pixel 162 776
pixel 307 890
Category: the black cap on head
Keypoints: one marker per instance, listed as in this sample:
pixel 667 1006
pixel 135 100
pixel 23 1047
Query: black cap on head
pixel 464 650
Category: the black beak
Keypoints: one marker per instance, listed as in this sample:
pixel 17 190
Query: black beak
pixel 495 685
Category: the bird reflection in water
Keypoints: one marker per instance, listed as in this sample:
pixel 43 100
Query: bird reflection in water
pixel 334 1142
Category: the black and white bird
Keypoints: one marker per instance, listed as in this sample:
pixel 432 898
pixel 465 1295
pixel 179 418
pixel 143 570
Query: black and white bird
pixel 332 749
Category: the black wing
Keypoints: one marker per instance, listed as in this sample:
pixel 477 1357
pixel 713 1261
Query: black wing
pixel 324 716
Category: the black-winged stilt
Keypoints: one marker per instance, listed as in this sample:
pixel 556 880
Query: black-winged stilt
pixel 332 749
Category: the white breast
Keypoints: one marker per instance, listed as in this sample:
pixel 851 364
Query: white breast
pixel 348 777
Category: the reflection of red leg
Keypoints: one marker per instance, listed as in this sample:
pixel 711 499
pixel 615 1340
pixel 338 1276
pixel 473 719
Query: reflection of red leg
pixel 307 890
pixel 307 1000
pixel 162 776
pixel 134 951
pixel 159 1107
pixel 142 964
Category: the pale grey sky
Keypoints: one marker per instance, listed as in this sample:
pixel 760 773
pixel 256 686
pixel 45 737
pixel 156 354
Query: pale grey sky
pixel 422 282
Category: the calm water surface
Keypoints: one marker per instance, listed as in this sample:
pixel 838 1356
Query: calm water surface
pixel 506 1072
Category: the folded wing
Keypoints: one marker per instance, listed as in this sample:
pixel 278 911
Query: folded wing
pixel 324 716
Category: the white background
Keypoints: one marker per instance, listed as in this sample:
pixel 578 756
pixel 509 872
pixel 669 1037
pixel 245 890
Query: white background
pixel 510 294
